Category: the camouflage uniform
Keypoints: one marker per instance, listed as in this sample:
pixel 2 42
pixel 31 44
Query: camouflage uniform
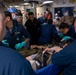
pixel 67 19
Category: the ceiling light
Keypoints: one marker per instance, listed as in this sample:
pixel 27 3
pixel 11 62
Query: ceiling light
pixel 26 3
pixel 16 6
pixel 46 2
pixel 10 6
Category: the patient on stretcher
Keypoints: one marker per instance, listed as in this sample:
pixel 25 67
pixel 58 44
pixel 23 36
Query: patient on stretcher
pixel 53 49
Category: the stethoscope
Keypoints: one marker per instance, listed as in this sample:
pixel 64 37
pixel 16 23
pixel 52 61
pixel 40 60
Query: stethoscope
pixel 16 32
pixel 16 29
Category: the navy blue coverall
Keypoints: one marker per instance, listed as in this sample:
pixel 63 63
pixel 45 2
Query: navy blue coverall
pixel 42 20
pixel 13 63
pixel 18 35
pixel 66 58
pixel 71 32
pixel 47 34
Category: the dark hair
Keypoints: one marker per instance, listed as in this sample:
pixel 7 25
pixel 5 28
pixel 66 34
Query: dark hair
pixel 50 21
pixel 19 14
pixel 19 11
pixel 69 41
pixel 63 26
pixel 8 14
pixel 30 13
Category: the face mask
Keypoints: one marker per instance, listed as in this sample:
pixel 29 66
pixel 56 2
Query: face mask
pixel 65 14
pixel 15 17
pixel 56 17
pixel 74 15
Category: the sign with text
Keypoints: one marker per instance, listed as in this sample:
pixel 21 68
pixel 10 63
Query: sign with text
pixel 72 1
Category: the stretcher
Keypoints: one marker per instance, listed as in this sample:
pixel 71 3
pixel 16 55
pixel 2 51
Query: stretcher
pixel 27 52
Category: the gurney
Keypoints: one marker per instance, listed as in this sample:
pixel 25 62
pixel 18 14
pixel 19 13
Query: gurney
pixel 37 56
pixel 27 52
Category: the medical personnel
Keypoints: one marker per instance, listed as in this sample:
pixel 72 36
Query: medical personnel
pixel 16 36
pixel 14 13
pixel 67 30
pixel 47 33
pixel 43 18
pixel 54 69
pixel 66 58
pixel 20 17
pixel 11 62
pixel 66 18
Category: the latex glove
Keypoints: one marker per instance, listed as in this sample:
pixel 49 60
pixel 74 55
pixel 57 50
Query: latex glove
pixel 23 44
pixel 60 34
pixel 5 42
pixel 20 45
pixel 65 38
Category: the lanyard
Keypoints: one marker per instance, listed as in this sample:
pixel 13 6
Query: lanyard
pixel 16 29
pixel 16 33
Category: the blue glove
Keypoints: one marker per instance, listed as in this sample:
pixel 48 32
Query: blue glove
pixel 60 34
pixel 23 44
pixel 20 45
pixel 5 42
pixel 65 38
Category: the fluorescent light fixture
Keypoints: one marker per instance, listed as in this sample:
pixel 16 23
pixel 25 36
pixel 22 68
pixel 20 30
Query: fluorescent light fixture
pixel 16 6
pixel 30 7
pixel 26 3
pixel 10 6
pixel 46 2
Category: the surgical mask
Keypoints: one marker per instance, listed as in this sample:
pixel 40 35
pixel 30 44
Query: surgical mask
pixel 56 17
pixel 65 14
pixel 74 14
pixel 15 17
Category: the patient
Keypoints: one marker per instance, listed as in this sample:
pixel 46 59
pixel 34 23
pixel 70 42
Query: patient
pixel 62 45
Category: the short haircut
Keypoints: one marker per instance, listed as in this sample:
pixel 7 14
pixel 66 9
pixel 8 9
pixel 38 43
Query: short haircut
pixel 30 13
pixel 63 26
pixel 69 41
pixel 19 11
pixel 19 14
pixel 8 14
